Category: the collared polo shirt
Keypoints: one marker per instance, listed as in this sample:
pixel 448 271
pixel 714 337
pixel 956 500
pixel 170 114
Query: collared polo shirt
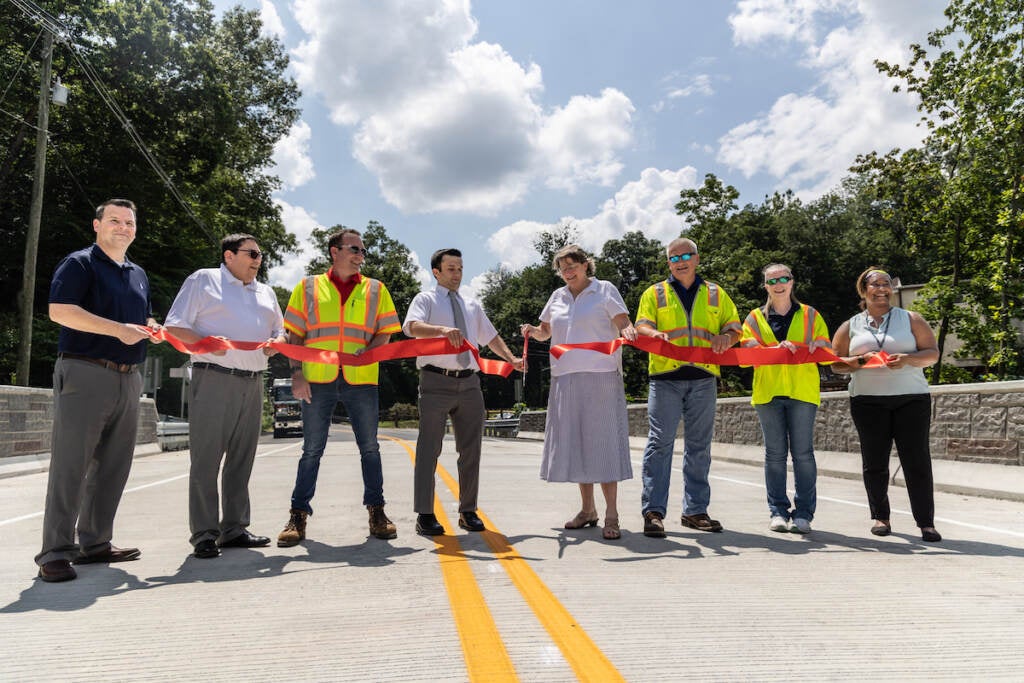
pixel 346 286
pixel 90 279
pixel 214 303
pixel 585 318
pixel 435 308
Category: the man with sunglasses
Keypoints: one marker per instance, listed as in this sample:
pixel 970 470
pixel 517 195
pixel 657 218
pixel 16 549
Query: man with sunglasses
pixel 340 310
pixel 684 310
pixel 225 413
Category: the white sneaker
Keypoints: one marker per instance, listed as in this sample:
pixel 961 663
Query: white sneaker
pixel 800 526
pixel 779 523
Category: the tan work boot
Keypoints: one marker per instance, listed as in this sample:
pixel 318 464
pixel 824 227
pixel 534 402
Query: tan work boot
pixel 380 525
pixel 294 530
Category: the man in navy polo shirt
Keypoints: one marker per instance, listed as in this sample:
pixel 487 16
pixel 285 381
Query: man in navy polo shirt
pixel 101 301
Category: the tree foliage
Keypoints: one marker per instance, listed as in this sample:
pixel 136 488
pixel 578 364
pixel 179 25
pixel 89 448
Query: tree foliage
pixel 209 98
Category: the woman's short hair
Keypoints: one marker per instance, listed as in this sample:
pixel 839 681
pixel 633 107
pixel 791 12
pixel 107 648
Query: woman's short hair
pixel 574 253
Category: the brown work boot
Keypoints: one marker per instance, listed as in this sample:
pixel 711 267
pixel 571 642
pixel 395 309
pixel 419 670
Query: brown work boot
pixel 294 530
pixel 380 525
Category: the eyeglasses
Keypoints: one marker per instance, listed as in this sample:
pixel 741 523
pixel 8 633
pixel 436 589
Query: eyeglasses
pixel 354 249
pixel 778 280
pixel 254 254
pixel 681 257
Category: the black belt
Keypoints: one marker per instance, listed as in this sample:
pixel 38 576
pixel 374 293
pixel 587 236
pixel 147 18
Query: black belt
pixel 228 371
pixel 457 374
pixel 123 368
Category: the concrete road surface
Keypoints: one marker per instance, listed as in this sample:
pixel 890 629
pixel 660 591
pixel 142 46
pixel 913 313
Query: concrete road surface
pixel 526 600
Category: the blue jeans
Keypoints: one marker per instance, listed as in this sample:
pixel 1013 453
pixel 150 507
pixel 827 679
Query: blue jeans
pixel 788 427
pixel 668 401
pixel 360 401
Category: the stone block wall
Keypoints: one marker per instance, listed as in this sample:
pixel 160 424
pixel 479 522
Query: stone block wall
pixel 970 423
pixel 26 421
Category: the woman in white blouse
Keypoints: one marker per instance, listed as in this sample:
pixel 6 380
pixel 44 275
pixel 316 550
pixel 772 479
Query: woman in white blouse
pixel 586 438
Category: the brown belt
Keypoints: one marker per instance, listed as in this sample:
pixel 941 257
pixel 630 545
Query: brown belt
pixel 458 374
pixel 123 368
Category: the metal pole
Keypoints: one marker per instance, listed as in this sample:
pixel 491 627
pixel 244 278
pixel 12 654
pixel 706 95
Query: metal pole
pixel 28 281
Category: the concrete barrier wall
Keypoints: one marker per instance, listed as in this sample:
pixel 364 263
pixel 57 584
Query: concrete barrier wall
pixel 970 423
pixel 26 420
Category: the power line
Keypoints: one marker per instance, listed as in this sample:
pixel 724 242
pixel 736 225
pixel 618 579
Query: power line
pixel 62 34
pixel 21 66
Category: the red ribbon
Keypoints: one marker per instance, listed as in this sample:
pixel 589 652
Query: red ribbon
pixel 408 348
pixel 757 355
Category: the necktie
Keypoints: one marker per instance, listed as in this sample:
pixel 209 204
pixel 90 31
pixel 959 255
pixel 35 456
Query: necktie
pixel 460 322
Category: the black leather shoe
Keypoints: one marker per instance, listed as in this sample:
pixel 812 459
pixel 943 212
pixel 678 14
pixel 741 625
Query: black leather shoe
pixel 111 554
pixel 246 540
pixel 57 570
pixel 428 525
pixel 930 535
pixel 207 549
pixel 470 521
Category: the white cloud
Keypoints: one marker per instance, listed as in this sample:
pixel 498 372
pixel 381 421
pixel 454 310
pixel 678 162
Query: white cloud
pixel 580 140
pixel 272 24
pixel 445 123
pixel 301 223
pixel 646 205
pixel 810 139
pixel 292 162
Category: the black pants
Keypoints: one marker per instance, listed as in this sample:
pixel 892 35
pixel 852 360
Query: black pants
pixel 906 419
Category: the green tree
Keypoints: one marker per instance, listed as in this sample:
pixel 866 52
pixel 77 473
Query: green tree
pixel 209 98
pixel 972 98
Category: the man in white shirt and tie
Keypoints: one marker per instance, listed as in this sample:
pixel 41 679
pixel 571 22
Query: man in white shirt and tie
pixel 450 386
pixel 226 392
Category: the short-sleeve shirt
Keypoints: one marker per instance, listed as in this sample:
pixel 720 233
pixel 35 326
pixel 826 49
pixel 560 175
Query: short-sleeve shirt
pixel 585 318
pixel 434 308
pixel 90 279
pixel 213 302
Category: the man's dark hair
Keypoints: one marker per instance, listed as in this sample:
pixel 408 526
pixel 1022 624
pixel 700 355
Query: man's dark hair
pixel 435 260
pixel 124 203
pixel 232 242
pixel 337 238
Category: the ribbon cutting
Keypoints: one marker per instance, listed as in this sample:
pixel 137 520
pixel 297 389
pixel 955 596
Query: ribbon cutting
pixel 760 355
pixel 409 348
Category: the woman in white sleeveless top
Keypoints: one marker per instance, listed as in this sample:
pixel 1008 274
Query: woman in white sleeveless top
pixel 892 402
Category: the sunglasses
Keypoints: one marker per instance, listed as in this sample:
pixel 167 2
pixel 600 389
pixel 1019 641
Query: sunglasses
pixel 681 257
pixel 254 254
pixel 354 249
pixel 778 280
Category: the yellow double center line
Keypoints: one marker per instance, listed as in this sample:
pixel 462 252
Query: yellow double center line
pixel 484 651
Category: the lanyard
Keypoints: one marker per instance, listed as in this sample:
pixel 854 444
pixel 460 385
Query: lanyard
pixel 879 339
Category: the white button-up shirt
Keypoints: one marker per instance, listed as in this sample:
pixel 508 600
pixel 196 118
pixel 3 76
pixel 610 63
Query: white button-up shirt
pixel 435 308
pixel 587 318
pixel 214 303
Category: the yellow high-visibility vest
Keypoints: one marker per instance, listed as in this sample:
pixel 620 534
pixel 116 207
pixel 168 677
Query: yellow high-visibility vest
pixel 314 313
pixel 713 313
pixel 799 382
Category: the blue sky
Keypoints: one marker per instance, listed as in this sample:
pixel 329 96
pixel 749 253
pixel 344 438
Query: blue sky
pixel 478 125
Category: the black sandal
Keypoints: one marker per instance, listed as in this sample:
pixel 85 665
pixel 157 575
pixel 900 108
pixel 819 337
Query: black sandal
pixel 881 529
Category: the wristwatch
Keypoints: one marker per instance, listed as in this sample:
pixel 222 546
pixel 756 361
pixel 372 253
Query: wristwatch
pixel 861 360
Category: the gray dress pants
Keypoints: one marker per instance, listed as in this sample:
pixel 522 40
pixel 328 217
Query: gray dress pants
pixel 439 397
pixel 224 419
pixel 95 420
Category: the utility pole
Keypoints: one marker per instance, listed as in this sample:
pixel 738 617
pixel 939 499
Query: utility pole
pixel 28 280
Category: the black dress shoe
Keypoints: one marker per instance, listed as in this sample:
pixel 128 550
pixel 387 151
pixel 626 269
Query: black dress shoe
pixel 56 570
pixel 207 549
pixel 428 525
pixel 246 540
pixel 111 554
pixel 470 522
pixel 930 535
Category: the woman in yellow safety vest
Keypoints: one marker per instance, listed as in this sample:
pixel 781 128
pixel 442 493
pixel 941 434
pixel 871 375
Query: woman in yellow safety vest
pixel 786 398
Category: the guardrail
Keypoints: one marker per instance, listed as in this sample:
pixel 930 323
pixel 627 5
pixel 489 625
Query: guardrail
pixel 507 428
pixel 172 436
